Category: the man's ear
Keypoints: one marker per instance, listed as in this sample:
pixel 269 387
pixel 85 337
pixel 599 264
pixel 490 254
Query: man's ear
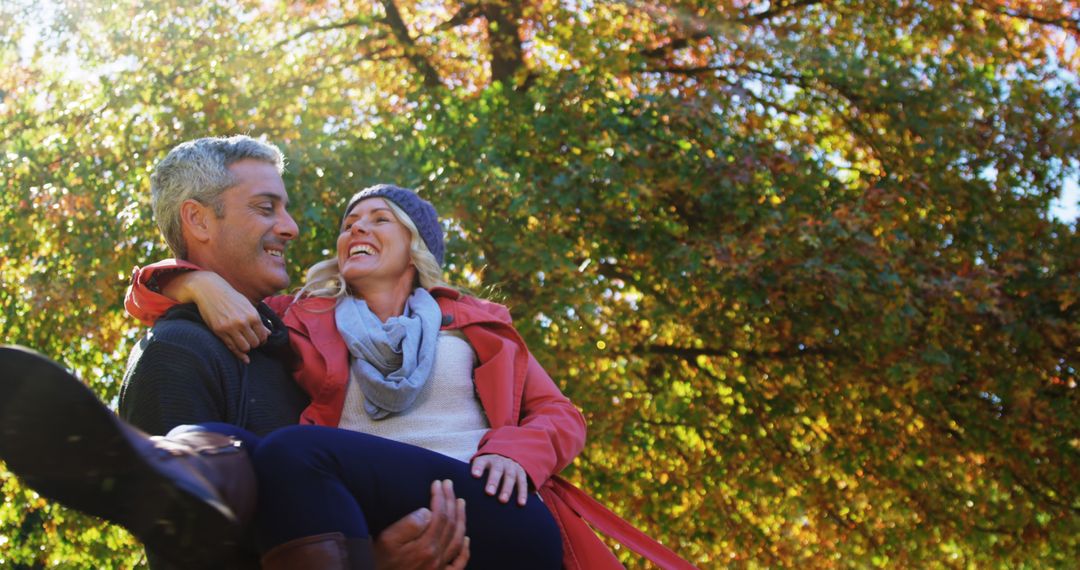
pixel 195 220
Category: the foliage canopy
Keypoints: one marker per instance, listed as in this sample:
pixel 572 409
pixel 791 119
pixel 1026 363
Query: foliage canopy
pixel 793 259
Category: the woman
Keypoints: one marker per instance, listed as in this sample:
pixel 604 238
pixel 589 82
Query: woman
pixel 386 348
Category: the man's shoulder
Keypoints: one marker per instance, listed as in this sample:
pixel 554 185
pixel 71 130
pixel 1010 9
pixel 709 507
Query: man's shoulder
pixel 179 329
pixel 185 336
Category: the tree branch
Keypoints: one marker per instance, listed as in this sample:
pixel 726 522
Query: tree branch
pixel 707 30
pixel 504 39
pixel 467 13
pixel 677 43
pixel 349 23
pixel 408 44
pixel 689 71
pixel 1064 21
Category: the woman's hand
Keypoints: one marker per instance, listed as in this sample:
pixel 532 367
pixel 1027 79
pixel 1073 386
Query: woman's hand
pixel 505 475
pixel 229 314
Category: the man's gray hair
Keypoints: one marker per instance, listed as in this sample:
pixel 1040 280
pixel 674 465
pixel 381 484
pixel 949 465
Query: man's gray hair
pixel 199 170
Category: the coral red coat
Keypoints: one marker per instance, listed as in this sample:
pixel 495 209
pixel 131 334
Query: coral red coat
pixel 532 422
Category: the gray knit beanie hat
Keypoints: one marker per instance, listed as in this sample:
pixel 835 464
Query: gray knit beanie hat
pixel 420 211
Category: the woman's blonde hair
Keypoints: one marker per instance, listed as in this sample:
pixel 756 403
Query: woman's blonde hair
pixel 324 278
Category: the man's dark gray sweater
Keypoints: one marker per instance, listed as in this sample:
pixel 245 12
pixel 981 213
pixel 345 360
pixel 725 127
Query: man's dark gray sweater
pixel 180 373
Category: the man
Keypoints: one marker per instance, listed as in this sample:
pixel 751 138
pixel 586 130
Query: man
pixel 221 205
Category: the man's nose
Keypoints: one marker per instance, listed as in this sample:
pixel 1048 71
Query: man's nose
pixel 287 227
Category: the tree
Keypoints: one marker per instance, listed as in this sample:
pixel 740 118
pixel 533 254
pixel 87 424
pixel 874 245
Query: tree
pixel 793 259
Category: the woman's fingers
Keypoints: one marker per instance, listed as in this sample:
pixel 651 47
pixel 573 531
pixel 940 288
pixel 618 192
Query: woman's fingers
pixel 235 347
pixel 514 478
pixel 254 333
pixel 504 475
pixel 509 480
pixel 522 486
pixel 241 333
pixel 495 473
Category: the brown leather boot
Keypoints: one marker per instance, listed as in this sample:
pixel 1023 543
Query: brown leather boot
pixel 186 496
pixel 331 551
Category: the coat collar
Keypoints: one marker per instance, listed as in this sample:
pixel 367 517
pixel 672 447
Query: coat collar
pixel 458 310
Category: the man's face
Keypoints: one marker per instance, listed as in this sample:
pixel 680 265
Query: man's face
pixel 247 244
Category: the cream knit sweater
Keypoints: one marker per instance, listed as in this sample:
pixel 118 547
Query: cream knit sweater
pixel 446 417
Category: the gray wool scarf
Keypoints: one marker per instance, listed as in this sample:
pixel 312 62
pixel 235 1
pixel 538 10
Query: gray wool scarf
pixel 391 361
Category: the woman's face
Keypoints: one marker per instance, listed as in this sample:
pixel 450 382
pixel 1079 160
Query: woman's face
pixel 373 247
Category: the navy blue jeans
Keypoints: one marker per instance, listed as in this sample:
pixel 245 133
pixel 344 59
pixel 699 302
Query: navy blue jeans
pixel 315 480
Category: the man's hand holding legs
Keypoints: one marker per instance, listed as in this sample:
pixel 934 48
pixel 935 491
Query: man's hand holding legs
pixel 427 539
